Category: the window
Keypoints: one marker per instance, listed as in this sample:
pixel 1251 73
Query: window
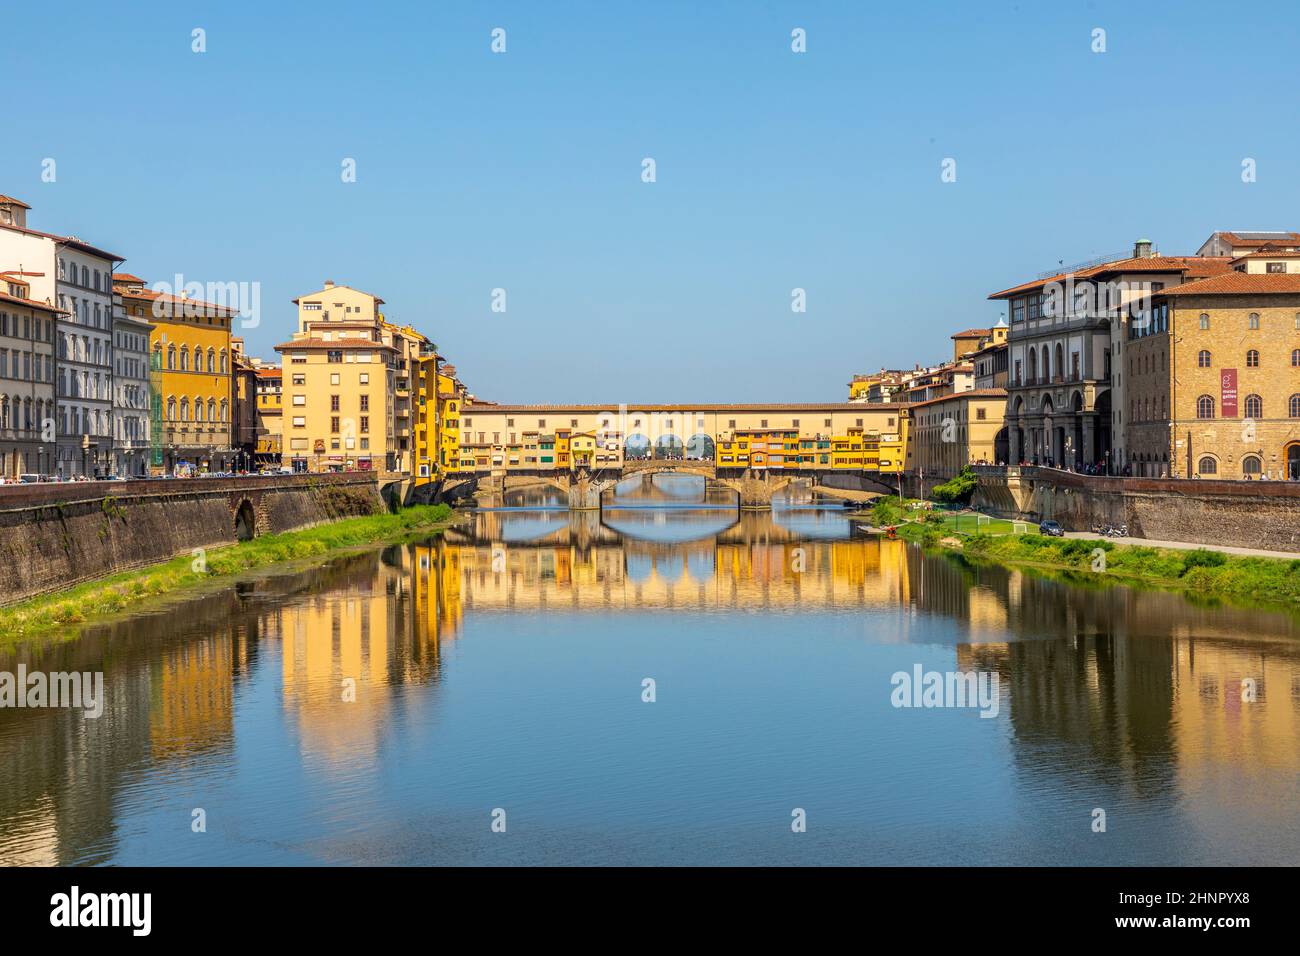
pixel 299 400
pixel 1276 267
pixel 1203 358
pixel 365 378
pixel 981 414
pixel 365 424
pixel 1207 466
pixel 299 379
pixel 299 422
pixel 1254 406
pixel 1295 358
pixel 334 403
pixel 1252 359
pixel 1205 320
pixel 365 403
pixel 1254 320
pixel 1251 465
pixel 334 378
pixel 1205 407
pixel 1293 408
pixel 334 357
pixel 334 424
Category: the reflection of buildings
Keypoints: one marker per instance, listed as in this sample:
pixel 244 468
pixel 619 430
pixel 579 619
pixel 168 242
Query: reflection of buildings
pixel 1100 685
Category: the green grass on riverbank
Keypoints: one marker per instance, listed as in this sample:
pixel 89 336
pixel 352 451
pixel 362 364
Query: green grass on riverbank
pixel 119 591
pixel 1209 573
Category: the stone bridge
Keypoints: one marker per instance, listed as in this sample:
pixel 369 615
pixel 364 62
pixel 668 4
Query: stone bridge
pixel 586 490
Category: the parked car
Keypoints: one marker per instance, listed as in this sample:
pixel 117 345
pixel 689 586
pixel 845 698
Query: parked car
pixel 29 479
pixel 1051 529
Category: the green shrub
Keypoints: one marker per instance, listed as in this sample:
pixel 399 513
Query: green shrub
pixel 1203 558
pixel 958 489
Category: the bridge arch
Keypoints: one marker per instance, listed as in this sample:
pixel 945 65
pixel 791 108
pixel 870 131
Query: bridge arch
pixel 636 446
pixel 245 521
pixel 670 447
pixel 701 447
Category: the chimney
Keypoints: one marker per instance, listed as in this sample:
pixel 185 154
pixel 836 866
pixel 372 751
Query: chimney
pixel 329 283
pixel 1142 249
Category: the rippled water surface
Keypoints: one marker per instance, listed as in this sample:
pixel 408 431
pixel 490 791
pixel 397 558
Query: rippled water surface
pixel 502 667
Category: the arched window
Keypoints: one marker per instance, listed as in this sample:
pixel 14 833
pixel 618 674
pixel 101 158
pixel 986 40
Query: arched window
pixel 1251 465
pixel 1203 358
pixel 1205 407
pixel 171 357
pixel 1252 359
pixel 212 410
pixel 1293 406
pixel 1205 320
pixel 185 409
pixel 223 362
pixel 212 361
pixel 1295 358
pixel 198 409
pixel 171 408
pixel 1207 466
pixel 185 360
pixel 1254 406
pixel 1254 320
pixel 225 410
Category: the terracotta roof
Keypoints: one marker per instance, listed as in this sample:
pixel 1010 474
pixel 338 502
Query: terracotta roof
pixel 1238 239
pixel 32 303
pixel 126 277
pixel 1274 254
pixel 1240 283
pixel 1188 265
pixel 149 295
pixel 974 393
pixel 10 200
pixel 971 333
pixel 357 345
pixel 264 371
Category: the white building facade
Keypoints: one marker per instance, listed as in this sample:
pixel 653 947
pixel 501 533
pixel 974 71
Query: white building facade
pixel 78 278
pixel 131 395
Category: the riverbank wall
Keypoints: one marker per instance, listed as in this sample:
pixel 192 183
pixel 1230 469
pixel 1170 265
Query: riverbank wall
pixel 53 536
pixel 1245 514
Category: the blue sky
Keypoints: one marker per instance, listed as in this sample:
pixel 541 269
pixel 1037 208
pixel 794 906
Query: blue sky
pixel 775 170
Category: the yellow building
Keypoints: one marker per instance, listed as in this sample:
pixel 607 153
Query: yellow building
pixel 190 380
pixel 270 414
pixel 348 383
pixel 438 448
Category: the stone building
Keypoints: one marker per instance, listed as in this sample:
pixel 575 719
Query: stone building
pixel 1065 384
pixel 1215 380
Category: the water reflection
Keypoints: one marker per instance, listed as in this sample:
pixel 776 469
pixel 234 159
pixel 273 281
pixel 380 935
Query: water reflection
pixel 375 708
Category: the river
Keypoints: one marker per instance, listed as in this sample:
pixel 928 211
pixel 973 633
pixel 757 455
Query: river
pixel 667 681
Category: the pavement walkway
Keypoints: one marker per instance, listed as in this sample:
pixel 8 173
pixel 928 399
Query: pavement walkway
pixel 1185 546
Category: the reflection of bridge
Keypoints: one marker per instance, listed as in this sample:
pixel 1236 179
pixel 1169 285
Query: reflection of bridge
pixel 586 489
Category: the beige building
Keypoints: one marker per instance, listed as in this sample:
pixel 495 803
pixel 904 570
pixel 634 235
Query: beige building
pixel 953 431
pixel 348 377
pixel 1214 380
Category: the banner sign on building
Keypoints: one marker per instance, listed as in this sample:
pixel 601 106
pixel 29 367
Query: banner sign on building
pixel 1228 392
